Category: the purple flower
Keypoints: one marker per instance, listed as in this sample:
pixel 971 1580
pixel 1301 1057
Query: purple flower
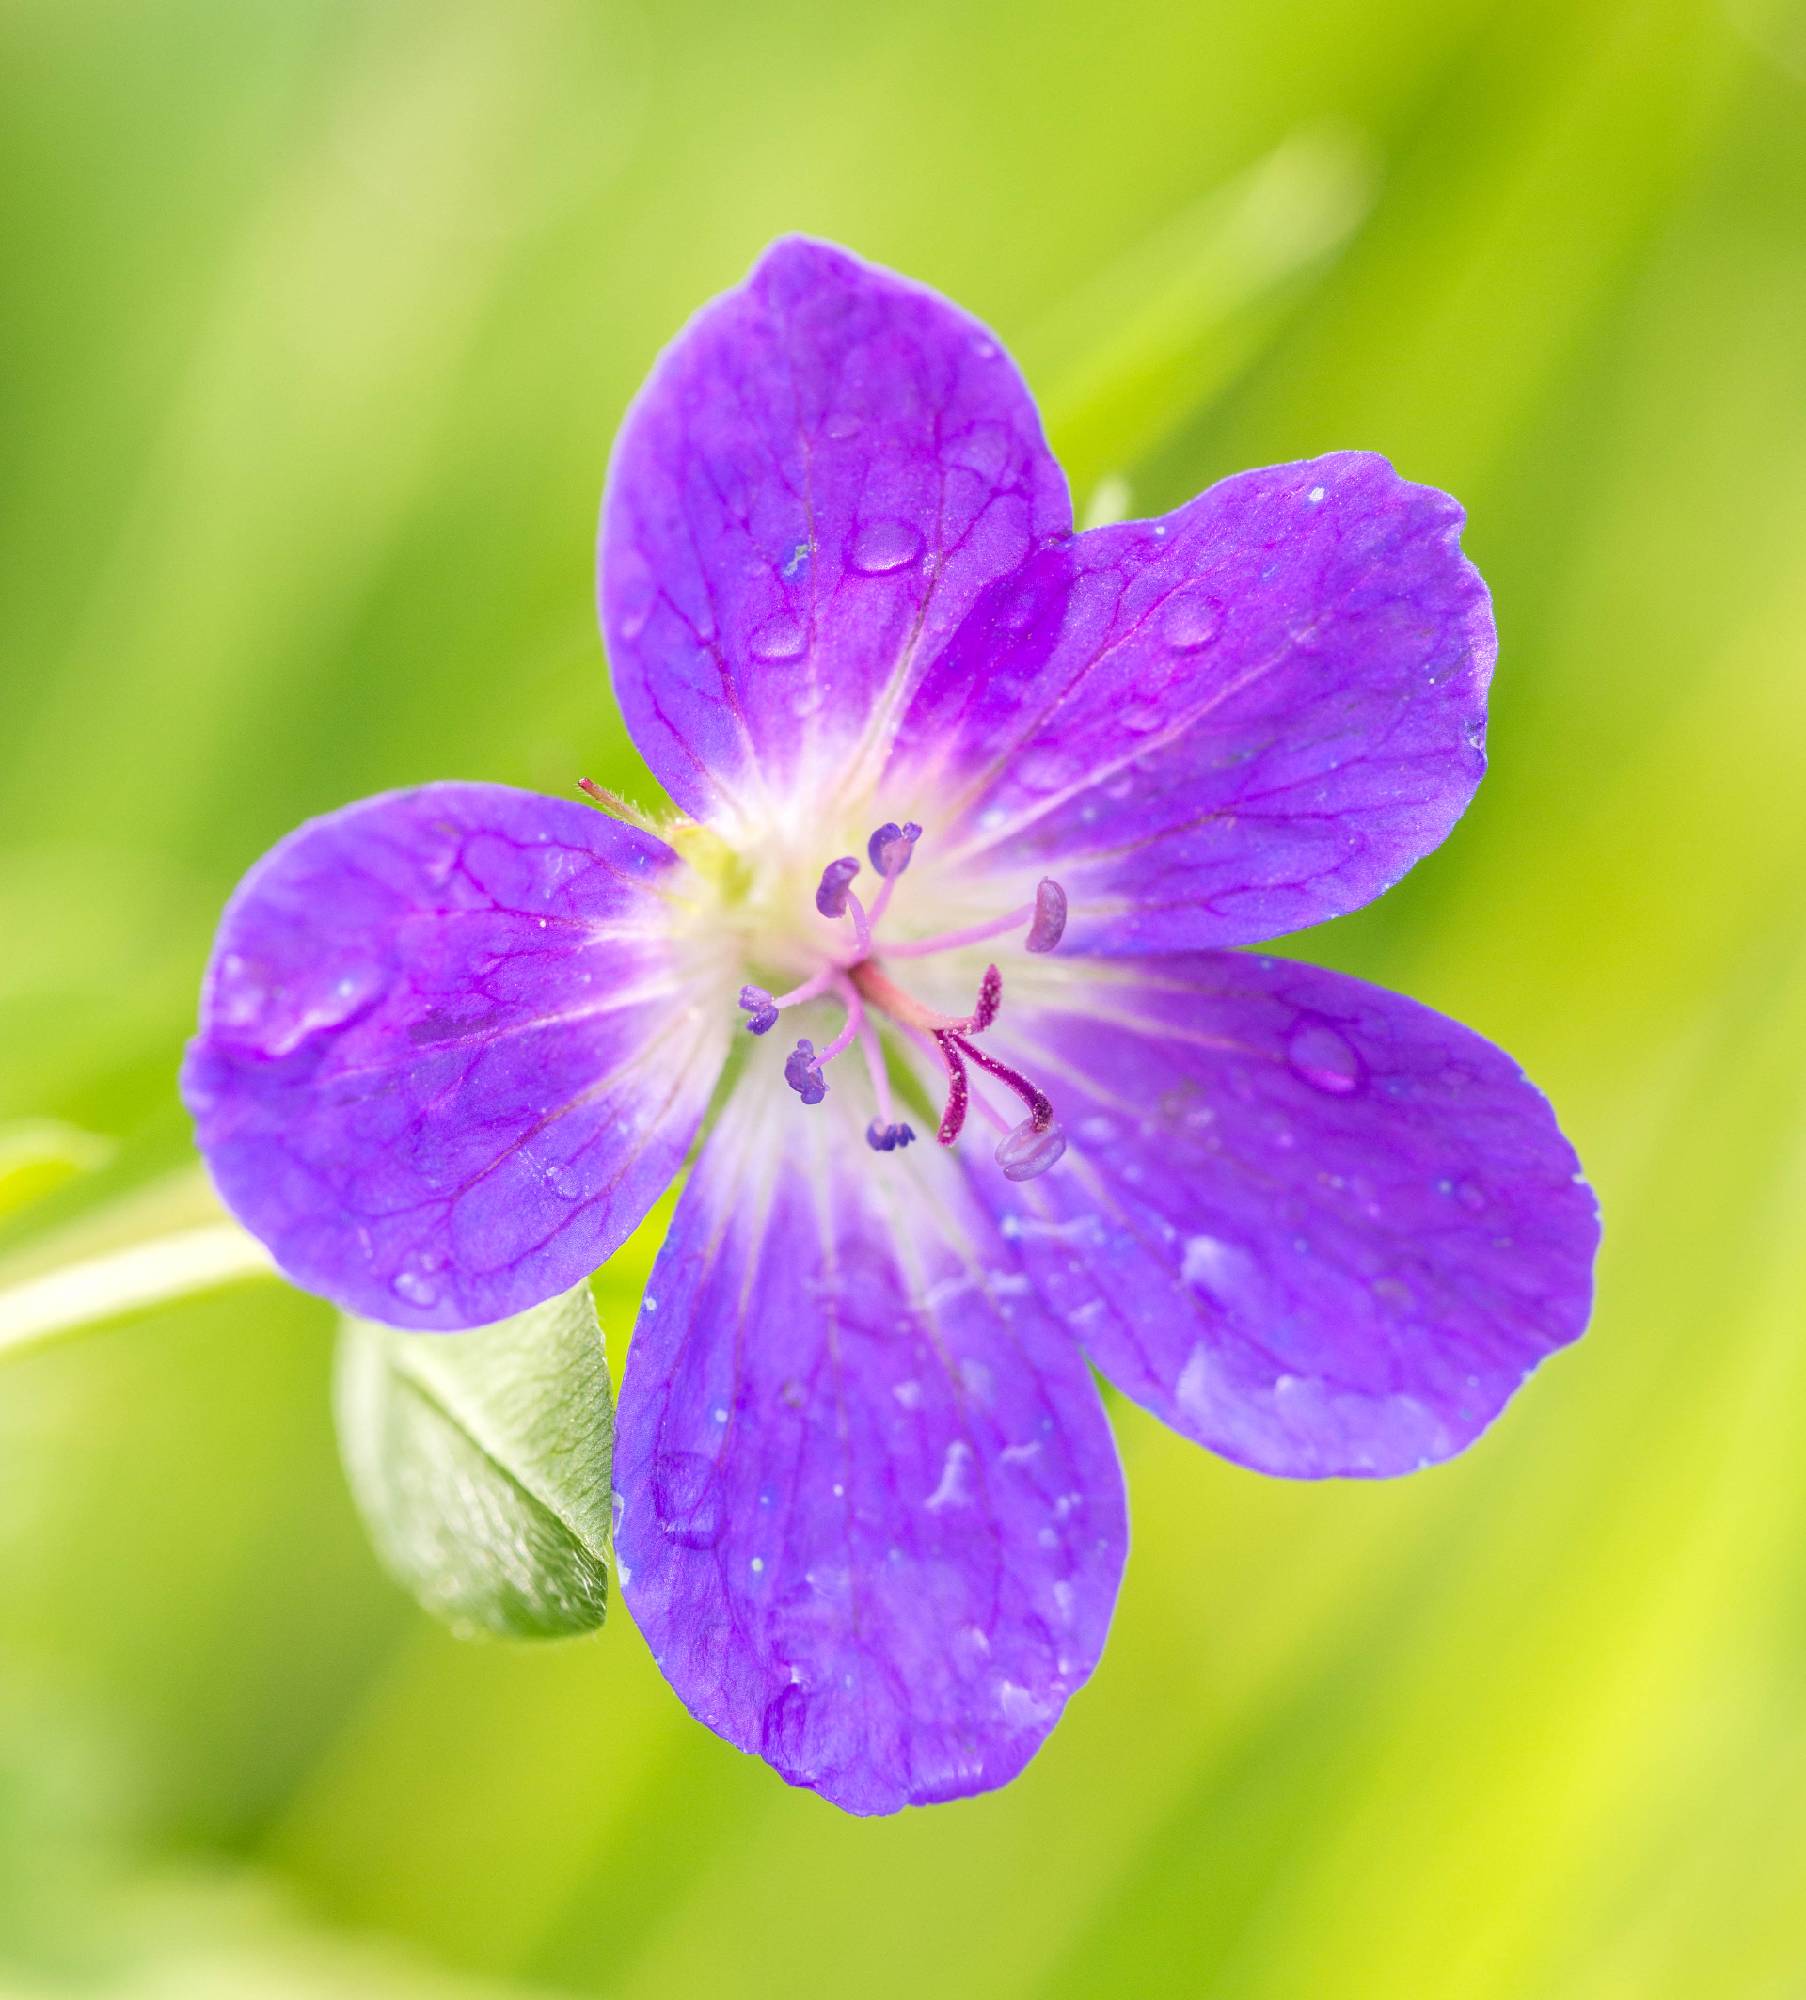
pixel 455 1041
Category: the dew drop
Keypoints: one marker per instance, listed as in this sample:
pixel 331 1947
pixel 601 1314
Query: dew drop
pixel 1322 1056
pixel 882 546
pixel 778 639
pixel 1141 718
pixel 1044 768
pixel 1190 621
pixel 416 1287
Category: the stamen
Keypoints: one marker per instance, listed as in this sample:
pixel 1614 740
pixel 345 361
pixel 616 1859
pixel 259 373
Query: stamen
pixel 1050 916
pixel 802 1071
pixel 884 1138
pixel 1030 1150
pixel 890 848
pixel 862 924
pixel 886 1133
pixel 831 893
pixel 818 982
pixel 803 1067
pixel 763 1009
pixel 872 1048
pixel 1045 916
pixel 854 1022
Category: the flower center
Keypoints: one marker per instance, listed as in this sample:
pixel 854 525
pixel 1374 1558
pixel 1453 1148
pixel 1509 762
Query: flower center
pixel 857 976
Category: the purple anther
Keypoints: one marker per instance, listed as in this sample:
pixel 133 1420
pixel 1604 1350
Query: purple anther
pixel 1049 925
pixel 883 1138
pixel 1030 1149
pixel 758 1004
pixel 831 896
pixel 802 1072
pixel 892 845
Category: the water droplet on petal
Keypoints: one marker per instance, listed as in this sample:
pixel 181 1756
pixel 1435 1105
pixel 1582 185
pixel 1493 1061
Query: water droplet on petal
pixel 1322 1056
pixel 778 639
pixel 1190 621
pixel 882 546
pixel 416 1287
pixel 1045 767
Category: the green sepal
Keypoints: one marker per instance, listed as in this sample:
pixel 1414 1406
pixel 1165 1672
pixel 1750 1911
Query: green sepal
pixel 481 1465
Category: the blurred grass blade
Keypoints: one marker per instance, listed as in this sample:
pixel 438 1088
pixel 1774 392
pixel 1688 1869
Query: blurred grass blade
pixel 39 1310
pixel 481 1464
pixel 37 1155
pixel 1160 330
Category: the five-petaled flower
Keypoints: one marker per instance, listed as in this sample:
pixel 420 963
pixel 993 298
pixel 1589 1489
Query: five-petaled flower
pixel 973 807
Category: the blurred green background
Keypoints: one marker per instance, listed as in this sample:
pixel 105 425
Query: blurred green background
pixel 318 321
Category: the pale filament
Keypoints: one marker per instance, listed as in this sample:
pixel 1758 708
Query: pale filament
pixel 872 1048
pixel 952 940
pixel 854 1022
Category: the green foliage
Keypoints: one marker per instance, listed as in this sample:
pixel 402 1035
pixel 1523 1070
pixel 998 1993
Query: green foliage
pixel 480 1463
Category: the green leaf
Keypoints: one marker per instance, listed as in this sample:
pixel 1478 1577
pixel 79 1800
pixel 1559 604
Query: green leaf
pixel 481 1463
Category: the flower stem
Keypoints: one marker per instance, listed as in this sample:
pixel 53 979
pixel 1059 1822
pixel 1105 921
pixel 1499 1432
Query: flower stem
pixel 37 1312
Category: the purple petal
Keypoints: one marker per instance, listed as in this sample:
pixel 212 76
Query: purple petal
pixel 450 1051
pixel 822 473
pixel 1244 718
pixel 872 1521
pixel 1311 1224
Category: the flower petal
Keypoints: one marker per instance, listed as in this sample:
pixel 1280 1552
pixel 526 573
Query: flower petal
pixel 1309 1223
pixel 818 479
pixel 1213 728
pixel 451 1050
pixel 872 1522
